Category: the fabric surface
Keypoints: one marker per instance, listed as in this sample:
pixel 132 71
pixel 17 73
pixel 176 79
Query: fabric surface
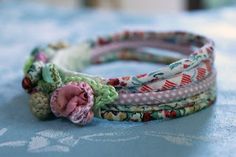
pixel 210 132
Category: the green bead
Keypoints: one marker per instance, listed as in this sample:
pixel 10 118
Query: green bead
pixel 39 105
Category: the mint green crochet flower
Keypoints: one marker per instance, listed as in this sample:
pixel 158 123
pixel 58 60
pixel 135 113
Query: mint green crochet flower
pixel 51 79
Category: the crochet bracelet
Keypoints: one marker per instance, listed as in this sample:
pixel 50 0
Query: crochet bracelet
pixel 57 88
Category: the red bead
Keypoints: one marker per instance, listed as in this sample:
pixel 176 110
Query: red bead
pixel 26 83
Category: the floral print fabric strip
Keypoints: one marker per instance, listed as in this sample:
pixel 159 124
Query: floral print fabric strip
pixel 166 111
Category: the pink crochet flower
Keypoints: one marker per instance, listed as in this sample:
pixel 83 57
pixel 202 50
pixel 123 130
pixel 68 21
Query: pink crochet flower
pixel 73 101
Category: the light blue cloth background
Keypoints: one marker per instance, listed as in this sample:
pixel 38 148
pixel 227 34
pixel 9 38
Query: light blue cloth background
pixel 210 132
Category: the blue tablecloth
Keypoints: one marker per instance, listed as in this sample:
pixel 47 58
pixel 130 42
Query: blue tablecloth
pixel 211 132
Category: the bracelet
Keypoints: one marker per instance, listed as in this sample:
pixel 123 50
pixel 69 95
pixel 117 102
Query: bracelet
pixel 57 88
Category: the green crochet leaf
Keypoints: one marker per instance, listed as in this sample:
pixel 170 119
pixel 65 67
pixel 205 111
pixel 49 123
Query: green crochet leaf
pixel 51 79
pixel 46 87
pixel 51 75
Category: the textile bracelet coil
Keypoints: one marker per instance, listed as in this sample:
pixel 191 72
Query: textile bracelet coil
pixel 186 84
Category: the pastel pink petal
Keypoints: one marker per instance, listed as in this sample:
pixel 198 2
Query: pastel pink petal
pixel 89 117
pixel 66 93
pixel 81 117
pixel 71 106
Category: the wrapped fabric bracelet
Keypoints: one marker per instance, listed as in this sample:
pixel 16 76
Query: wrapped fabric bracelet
pixel 155 114
pixel 166 95
pixel 180 103
pixel 186 85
